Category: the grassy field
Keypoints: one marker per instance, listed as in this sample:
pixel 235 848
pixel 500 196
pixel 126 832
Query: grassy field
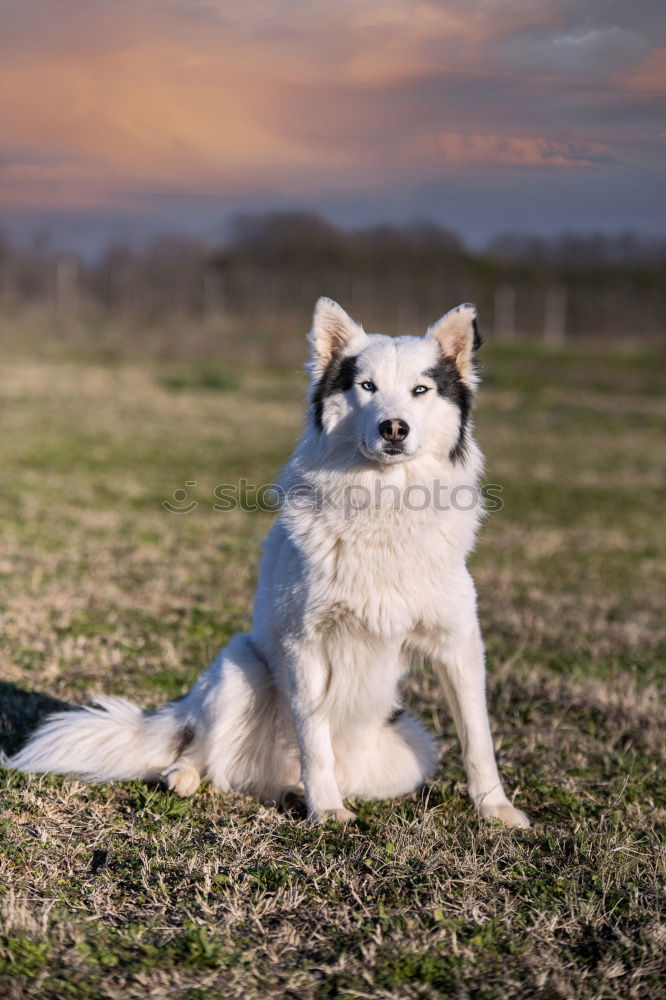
pixel 123 891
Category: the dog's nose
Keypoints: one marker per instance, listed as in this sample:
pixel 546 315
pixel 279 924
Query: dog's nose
pixel 394 430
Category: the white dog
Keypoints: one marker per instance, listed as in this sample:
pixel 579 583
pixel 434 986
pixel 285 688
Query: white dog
pixel 364 569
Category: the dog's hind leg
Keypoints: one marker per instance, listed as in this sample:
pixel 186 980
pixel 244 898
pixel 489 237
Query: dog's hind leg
pixel 394 759
pixel 250 745
pixel 183 777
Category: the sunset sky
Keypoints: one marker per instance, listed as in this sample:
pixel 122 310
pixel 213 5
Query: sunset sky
pixel 131 117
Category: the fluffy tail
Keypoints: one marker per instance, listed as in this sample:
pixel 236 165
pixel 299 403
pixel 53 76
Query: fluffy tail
pixel 112 741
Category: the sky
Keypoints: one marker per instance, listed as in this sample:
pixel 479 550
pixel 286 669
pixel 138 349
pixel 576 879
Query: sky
pixel 126 118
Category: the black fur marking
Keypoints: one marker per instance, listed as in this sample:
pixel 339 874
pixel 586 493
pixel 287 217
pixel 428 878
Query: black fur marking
pixel 339 376
pixel 184 738
pixel 451 386
pixel 478 339
pixel 396 714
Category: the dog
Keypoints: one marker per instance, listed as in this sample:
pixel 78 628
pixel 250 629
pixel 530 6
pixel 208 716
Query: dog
pixel 363 570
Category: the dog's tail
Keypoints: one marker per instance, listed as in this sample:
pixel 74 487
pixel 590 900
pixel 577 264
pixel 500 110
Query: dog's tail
pixel 113 740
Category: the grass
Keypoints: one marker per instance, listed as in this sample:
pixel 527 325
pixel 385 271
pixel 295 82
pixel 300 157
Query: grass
pixel 124 891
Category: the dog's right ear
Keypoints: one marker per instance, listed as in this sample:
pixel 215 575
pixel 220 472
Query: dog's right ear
pixel 334 334
pixel 457 334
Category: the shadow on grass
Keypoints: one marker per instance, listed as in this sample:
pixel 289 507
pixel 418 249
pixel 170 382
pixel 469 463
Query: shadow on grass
pixel 20 712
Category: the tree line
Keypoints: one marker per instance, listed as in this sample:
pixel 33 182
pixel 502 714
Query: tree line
pixel 261 283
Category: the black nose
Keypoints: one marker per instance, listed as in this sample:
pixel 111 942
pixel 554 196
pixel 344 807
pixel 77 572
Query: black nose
pixel 394 430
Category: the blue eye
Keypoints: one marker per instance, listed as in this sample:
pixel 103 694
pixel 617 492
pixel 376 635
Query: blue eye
pixel 369 386
pixel 420 389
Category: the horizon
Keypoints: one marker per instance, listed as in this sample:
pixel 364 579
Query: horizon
pixel 621 246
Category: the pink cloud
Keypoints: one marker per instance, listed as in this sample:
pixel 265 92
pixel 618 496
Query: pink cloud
pixel 648 77
pixel 523 151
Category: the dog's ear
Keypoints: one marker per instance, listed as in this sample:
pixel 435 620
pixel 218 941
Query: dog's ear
pixel 334 334
pixel 457 334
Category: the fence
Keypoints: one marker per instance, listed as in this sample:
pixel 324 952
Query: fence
pixel 262 285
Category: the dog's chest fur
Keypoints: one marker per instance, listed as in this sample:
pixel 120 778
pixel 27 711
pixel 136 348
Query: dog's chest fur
pixel 386 570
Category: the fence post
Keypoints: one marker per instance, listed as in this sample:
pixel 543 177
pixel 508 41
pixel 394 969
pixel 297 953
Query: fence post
pixel 504 319
pixel 67 288
pixel 213 295
pixel 7 285
pixel 555 316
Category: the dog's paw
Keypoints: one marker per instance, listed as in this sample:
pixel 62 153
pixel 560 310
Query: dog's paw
pixel 183 780
pixel 339 815
pixel 506 814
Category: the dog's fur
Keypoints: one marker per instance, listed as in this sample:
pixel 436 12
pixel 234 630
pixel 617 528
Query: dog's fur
pixel 354 581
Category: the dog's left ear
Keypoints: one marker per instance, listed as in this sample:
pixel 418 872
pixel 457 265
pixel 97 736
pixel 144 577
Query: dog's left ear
pixel 334 334
pixel 457 334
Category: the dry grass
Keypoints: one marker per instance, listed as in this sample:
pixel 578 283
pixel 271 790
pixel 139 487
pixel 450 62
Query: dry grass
pixel 123 891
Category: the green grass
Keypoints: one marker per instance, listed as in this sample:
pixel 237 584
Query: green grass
pixel 124 891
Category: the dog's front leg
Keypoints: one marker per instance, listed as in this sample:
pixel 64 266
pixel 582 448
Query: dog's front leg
pixel 460 664
pixel 308 676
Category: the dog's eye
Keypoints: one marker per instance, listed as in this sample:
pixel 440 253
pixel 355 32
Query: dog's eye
pixel 420 389
pixel 369 386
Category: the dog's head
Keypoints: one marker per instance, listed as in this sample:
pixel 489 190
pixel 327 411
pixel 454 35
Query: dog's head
pixel 393 398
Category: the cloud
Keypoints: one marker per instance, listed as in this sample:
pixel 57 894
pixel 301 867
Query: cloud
pixel 520 151
pixel 143 101
pixel 647 78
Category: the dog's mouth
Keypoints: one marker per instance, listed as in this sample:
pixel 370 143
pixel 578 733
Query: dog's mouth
pixel 390 454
